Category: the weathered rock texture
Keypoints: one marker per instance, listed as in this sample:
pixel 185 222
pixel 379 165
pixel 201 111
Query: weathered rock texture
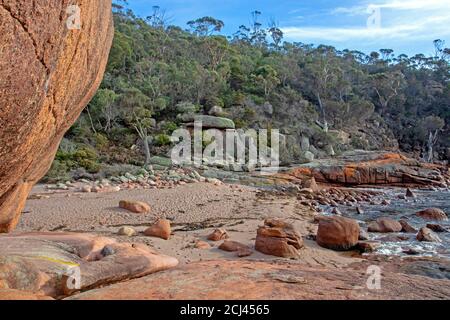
pixel 135 206
pixel 160 229
pixel 218 234
pixel 12 294
pixel 48 74
pixel 385 225
pixel 371 169
pixel 41 263
pixel 406 227
pixel 278 238
pixel 337 233
pixel 427 235
pixel 233 246
pixel 257 280
pixel 432 214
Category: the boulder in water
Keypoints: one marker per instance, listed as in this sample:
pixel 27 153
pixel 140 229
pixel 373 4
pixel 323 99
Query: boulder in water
pixel 384 225
pixel 338 233
pixel 432 214
pixel 427 235
pixel 406 227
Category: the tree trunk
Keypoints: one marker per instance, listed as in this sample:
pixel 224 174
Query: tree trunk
pixel 432 139
pixel 146 150
pixel 322 111
pixel 325 126
pixel 430 154
pixel 143 134
pixel 90 120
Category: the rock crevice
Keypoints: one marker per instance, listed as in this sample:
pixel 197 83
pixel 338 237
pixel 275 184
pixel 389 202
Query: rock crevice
pixel 26 31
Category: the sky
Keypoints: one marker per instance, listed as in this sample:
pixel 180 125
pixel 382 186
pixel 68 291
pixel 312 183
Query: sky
pixel 406 26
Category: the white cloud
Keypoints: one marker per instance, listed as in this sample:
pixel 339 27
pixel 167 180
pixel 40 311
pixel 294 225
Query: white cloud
pixel 346 34
pixel 415 4
pixel 294 11
pixel 401 20
pixel 352 11
pixel 361 9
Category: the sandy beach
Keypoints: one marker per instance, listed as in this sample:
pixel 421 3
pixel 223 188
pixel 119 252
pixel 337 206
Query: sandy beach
pixel 195 210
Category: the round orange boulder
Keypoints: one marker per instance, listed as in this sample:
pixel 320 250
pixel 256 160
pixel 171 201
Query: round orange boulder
pixel 338 233
pixel 385 225
pixel 432 214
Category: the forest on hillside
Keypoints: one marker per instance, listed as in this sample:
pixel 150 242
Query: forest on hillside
pixel 157 73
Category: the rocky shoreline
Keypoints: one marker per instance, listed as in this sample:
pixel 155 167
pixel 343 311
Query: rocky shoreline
pixel 277 234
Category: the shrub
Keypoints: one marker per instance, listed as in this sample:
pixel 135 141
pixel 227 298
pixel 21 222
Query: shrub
pixel 213 101
pixel 240 123
pixel 101 141
pixel 170 127
pixel 85 156
pixel 162 140
pixel 59 171
pixel 258 99
pixel 238 99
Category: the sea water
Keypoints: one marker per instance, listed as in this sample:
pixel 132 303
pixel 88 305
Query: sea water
pixel 404 209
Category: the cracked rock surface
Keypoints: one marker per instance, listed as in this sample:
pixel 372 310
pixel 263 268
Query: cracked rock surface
pixel 48 74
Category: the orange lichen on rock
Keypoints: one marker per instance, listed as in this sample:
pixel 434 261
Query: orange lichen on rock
pixel 372 169
pixel 301 172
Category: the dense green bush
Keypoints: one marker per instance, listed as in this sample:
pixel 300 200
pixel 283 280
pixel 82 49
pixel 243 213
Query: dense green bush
pixel 162 140
pixel 84 156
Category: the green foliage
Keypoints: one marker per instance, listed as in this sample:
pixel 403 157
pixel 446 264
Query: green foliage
pixel 121 51
pixel 206 26
pixel 162 140
pixel 213 101
pixel 186 107
pixel 84 156
pixel 101 141
pixel 161 74
pixel 58 172
pixel 170 127
pixel 240 123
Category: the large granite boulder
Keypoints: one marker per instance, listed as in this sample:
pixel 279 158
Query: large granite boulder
pixel 384 225
pixel 337 233
pixel 432 214
pixel 210 122
pixel 48 74
pixel 58 264
pixel 278 238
